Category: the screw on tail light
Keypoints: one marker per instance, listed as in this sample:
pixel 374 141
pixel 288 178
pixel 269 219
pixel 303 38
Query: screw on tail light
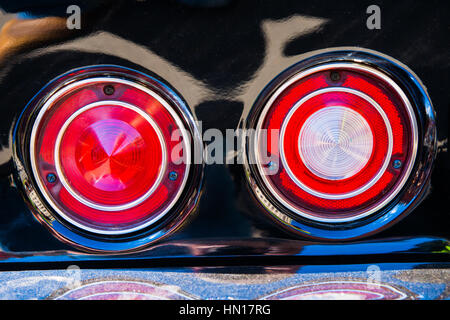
pixel 355 149
pixel 97 144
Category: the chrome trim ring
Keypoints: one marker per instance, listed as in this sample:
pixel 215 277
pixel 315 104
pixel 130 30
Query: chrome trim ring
pixel 323 67
pixel 48 197
pixel 362 188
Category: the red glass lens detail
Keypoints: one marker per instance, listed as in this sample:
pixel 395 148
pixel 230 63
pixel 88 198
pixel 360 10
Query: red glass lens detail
pixel 385 120
pixel 352 102
pixel 112 155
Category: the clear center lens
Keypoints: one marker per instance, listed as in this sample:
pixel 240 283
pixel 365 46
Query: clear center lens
pixel 335 143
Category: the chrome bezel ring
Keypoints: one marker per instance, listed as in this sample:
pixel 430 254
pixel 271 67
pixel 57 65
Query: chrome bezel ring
pixel 406 192
pixel 132 237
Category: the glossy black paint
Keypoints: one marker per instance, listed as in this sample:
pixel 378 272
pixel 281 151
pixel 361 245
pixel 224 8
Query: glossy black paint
pixel 243 251
pixel 219 59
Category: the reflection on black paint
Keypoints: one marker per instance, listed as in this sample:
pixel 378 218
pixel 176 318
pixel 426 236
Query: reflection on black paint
pixel 224 47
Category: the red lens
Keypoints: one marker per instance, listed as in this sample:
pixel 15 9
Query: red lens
pixel 343 130
pixel 112 154
pixel 348 130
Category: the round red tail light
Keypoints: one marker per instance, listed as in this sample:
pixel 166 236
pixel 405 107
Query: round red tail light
pixel 347 143
pixel 110 156
pixel 102 154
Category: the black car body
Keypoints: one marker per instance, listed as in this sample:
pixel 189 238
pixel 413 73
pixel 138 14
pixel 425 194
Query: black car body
pixel 221 57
